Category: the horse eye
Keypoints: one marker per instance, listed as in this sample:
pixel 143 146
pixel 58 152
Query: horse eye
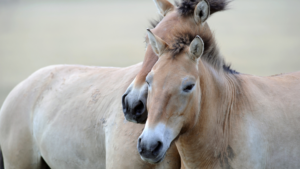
pixel 189 88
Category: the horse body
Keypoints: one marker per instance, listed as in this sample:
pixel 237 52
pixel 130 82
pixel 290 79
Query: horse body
pixel 71 117
pixel 272 121
pixel 263 134
pixel 218 118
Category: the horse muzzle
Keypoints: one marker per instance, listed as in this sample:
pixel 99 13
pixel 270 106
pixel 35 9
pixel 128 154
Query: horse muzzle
pixel 134 108
pixel 151 151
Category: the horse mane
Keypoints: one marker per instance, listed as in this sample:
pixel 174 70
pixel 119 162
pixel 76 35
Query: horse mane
pixel 187 7
pixel 182 37
pixel 155 22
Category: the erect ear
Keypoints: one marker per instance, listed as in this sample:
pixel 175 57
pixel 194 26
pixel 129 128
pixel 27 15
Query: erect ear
pixel 157 44
pixel 196 48
pixel 163 6
pixel 202 11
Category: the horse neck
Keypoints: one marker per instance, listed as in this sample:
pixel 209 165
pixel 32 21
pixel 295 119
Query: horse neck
pixel 207 142
pixel 149 60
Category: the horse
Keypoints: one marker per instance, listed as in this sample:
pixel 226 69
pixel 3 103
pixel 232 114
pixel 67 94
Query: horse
pixel 192 14
pixel 66 116
pixel 217 117
pixel 70 117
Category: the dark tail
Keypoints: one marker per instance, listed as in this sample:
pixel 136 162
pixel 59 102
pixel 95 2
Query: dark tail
pixel 1 160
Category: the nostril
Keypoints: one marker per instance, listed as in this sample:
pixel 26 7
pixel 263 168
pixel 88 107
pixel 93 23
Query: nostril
pixel 156 150
pixel 139 108
pixel 124 103
pixel 140 149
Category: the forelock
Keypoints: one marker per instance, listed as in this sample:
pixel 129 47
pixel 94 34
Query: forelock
pixel 182 37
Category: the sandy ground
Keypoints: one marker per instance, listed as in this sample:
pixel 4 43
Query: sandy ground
pixel 257 37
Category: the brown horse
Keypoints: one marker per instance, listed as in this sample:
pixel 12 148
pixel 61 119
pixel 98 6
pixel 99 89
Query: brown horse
pixel 189 13
pixel 44 123
pixel 217 117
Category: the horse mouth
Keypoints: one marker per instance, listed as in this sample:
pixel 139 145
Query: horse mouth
pixel 156 161
pixel 143 119
pixel 132 118
pixel 153 162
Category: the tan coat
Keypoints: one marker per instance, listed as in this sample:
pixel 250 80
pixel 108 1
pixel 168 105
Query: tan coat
pixel 71 117
pixel 218 118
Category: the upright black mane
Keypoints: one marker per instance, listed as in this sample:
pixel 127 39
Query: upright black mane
pixel 155 22
pixel 187 7
pixel 183 36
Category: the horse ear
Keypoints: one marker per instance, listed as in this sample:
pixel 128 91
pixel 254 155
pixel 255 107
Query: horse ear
pixel 157 44
pixel 163 6
pixel 202 11
pixel 196 48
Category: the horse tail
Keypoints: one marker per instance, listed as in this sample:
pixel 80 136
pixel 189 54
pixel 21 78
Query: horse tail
pixel 1 160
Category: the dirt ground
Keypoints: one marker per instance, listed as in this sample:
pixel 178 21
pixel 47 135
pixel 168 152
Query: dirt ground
pixel 257 37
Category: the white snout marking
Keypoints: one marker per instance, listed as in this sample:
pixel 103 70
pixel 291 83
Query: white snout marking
pixel 161 133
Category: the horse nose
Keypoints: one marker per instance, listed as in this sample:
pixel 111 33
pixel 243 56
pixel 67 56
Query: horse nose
pixel 139 112
pixel 150 151
pixel 124 106
pixel 124 103
pixel 140 148
pixel 134 109
pixel 156 148
pixel 139 109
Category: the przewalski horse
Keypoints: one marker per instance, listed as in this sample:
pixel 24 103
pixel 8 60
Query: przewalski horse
pixel 218 118
pixel 70 117
pixel 189 13
pixel 44 123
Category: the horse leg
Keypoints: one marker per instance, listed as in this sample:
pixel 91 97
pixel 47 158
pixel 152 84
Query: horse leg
pixel 1 160
pixel 18 156
pixel 44 165
pixel 19 149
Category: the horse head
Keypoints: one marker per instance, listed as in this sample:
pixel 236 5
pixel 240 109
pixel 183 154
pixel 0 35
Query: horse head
pixel 174 96
pixel 191 14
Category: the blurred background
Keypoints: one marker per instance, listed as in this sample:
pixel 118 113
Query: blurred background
pixel 260 37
